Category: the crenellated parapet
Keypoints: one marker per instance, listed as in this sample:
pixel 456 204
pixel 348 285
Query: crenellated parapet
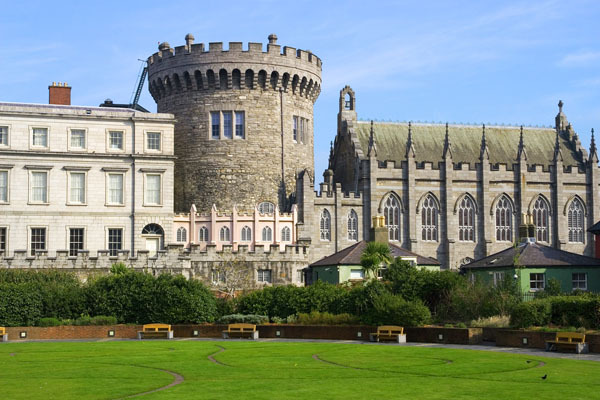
pixel 194 67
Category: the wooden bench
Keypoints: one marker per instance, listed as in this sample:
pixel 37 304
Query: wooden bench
pixel 156 331
pixel 240 330
pixel 570 340
pixel 388 332
pixel 3 334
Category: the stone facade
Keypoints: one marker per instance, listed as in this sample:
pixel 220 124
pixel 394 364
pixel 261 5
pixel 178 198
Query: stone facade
pixel 435 171
pixel 269 90
pixel 55 167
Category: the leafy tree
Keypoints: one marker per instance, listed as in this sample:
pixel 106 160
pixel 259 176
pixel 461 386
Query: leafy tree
pixel 375 255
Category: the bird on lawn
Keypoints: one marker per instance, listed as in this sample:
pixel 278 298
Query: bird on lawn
pixel 545 376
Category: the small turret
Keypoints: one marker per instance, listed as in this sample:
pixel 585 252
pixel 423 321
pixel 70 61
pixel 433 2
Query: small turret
pixel 447 145
pixel 410 149
pixel 521 152
pixel 561 118
pixel 372 145
pixel 484 153
pixel 593 158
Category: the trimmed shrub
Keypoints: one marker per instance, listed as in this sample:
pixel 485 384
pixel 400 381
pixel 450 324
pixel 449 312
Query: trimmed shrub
pixel 103 320
pixel 241 318
pixel 389 309
pixel 325 318
pixel 21 304
pixel 84 320
pixel 50 321
pixel 531 313
pixel 577 311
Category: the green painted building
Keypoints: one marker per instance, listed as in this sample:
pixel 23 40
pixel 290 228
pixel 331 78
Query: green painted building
pixel 533 265
pixel 345 265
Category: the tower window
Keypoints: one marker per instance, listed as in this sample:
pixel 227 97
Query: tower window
pixel 224 123
pixel 215 122
pixel 239 124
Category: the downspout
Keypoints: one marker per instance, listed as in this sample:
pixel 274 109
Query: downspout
pixel 132 217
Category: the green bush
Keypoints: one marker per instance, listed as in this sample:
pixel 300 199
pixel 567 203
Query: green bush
pixel 325 318
pixel 103 320
pixel 241 318
pixel 536 312
pixel 21 304
pixel 390 309
pixel 50 321
pixel 84 320
pixel 225 306
pixel 578 311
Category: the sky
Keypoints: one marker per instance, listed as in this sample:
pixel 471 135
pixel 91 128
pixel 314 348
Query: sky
pixel 493 62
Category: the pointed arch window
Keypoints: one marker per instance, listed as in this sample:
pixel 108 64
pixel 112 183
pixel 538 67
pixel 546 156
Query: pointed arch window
pixel 541 212
pixel 224 234
pixel 286 234
pixel 504 220
pixel 325 225
pixel 391 212
pixel 203 234
pixel 429 219
pixel 182 234
pixel 352 225
pixel 466 220
pixel 246 234
pixel 575 221
pixel 267 234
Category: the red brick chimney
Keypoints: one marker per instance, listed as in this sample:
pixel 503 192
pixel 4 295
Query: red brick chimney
pixel 59 94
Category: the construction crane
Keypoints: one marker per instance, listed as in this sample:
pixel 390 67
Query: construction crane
pixel 140 84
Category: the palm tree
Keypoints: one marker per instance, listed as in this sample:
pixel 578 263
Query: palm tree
pixel 375 255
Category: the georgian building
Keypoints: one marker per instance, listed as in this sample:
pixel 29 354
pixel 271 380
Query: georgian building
pixel 84 179
pixel 451 192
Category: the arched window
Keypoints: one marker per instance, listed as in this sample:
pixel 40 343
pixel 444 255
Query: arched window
pixel 466 220
pixel 541 211
pixel 429 219
pixel 266 208
pixel 203 234
pixel 325 225
pixel 224 234
pixel 182 234
pixel 575 221
pixel 352 225
pixel 391 212
pixel 504 220
pixel 246 234
pixel 267 234
pixel 152 229
pixel 286 234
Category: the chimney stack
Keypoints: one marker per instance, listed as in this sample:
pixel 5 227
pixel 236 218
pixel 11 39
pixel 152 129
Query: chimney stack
pixel 59 94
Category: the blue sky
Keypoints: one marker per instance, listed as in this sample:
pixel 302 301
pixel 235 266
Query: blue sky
pixel 457 61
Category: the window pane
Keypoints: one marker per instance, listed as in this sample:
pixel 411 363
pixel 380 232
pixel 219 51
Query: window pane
pixel 3 186
pixel 38 239
pixel 115 241
pixel 239 124
pixel 77 187
pixel 215 119
pixel 115 188
pixel 153 139
pixel 4 135
pixel 116 140
pixel 2 239
pixel 227 124
pixel 295 130
pixel 153 189
pixel 38 187
pixel 75 241
pixel 40 137
pixel 78 138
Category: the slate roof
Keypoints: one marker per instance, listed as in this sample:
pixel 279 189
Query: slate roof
pixel 351 256
pixel 595 229
pixel 502 142
pixel 533 255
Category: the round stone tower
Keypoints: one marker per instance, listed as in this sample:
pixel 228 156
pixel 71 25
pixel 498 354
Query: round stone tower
pixel 244 120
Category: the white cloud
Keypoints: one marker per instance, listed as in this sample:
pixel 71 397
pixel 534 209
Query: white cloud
pixel 580 59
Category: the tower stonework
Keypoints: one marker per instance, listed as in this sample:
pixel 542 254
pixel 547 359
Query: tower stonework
pixel 244 120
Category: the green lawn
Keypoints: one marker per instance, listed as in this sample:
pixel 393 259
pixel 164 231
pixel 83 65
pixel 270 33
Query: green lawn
pixel 271 370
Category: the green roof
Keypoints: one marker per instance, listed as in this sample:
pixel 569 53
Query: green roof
pixel 502 142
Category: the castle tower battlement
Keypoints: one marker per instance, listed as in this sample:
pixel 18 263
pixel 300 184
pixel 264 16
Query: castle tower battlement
pixel 244 120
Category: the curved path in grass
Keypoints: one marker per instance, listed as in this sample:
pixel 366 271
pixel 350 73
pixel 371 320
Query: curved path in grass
pixel 211 357
pixel 178 379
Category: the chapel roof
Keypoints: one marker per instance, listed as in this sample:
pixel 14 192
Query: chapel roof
pixel 502 143
pixel 351 256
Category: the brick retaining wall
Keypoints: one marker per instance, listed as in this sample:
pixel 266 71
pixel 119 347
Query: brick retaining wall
pixel 73 332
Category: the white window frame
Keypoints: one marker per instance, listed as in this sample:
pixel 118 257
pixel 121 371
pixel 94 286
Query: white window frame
pixel 7 144
pixel 29 242
pixel 267 234
pixel 467 216
pixel 147 148
pixel 160 195
pixel 6 169
pixel 108 229
pixel 235 124
pixel 325 225
pixel 286 234
pixel 85 140
pixel 246 234
pixel 6 232
pixel 110 149
pixel 35 146
pixel 108 203
pixel 263 274
pixel 181 235
pixel 31 172
pixel 234 135
pixel 540 204
pixel 498 277
pixel 295 128
pixel 393 217
pixel 69 237
pixel 537 281
pixel 352 226
pixel 504 208
pixel 357 271
pixel 70 201
pixel 576 221
pixel 430 219
pixel 224 234
pixel 203 238
pixel 585 280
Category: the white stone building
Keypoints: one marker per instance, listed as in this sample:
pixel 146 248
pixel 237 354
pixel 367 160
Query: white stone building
pixel 84 178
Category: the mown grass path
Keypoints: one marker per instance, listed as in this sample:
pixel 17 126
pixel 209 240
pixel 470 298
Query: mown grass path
pixel 275 370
